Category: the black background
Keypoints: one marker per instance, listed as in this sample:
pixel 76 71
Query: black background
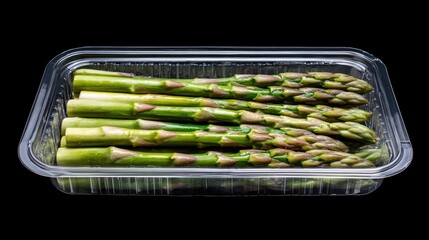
pixel 33 200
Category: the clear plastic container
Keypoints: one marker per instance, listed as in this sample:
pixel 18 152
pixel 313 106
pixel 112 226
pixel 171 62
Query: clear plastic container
pixel 41 136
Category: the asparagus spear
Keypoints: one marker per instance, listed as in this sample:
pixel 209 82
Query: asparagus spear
pixel 376 155
pixel 109 136
pixel 275 158
pixel 307 140
pixel 322 112
pixel 371 154
pixel 106 109
pixel 311 95
pixel 164 86
pixel 133 85
pixel 289 79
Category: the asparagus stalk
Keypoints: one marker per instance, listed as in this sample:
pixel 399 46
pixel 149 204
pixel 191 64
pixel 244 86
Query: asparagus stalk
pixel 63 144
pixel 113 136
pixel 375 155
pixel 311 95
pixel 106 109
pixel 165 86
pixel 133 85
pixel 322 112
pixel 289 79
pixel 371 154
pixel 275 158
pixel 306 139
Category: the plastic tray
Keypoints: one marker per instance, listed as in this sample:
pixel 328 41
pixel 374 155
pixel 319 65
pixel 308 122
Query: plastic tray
pixel 41 136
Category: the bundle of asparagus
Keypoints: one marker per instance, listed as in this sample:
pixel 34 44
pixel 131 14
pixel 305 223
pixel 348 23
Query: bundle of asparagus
pixel 279 116
pixel 290 79
pixel 109 109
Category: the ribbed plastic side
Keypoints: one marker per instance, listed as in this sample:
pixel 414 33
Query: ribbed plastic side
pixel 216 186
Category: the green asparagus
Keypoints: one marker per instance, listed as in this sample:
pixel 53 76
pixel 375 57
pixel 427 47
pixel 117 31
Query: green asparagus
pixel 106 109
pixel 307 140
pixel 275 158
pixel 103 121
pixel 132 85
pixel 372 154
pixel 378 155
pixel 271 94
pixel 322 112
pixel 114 136
pixel 313 96
pixel 289 79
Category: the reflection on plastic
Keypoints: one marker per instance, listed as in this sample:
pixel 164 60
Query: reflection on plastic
pixel 217 186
